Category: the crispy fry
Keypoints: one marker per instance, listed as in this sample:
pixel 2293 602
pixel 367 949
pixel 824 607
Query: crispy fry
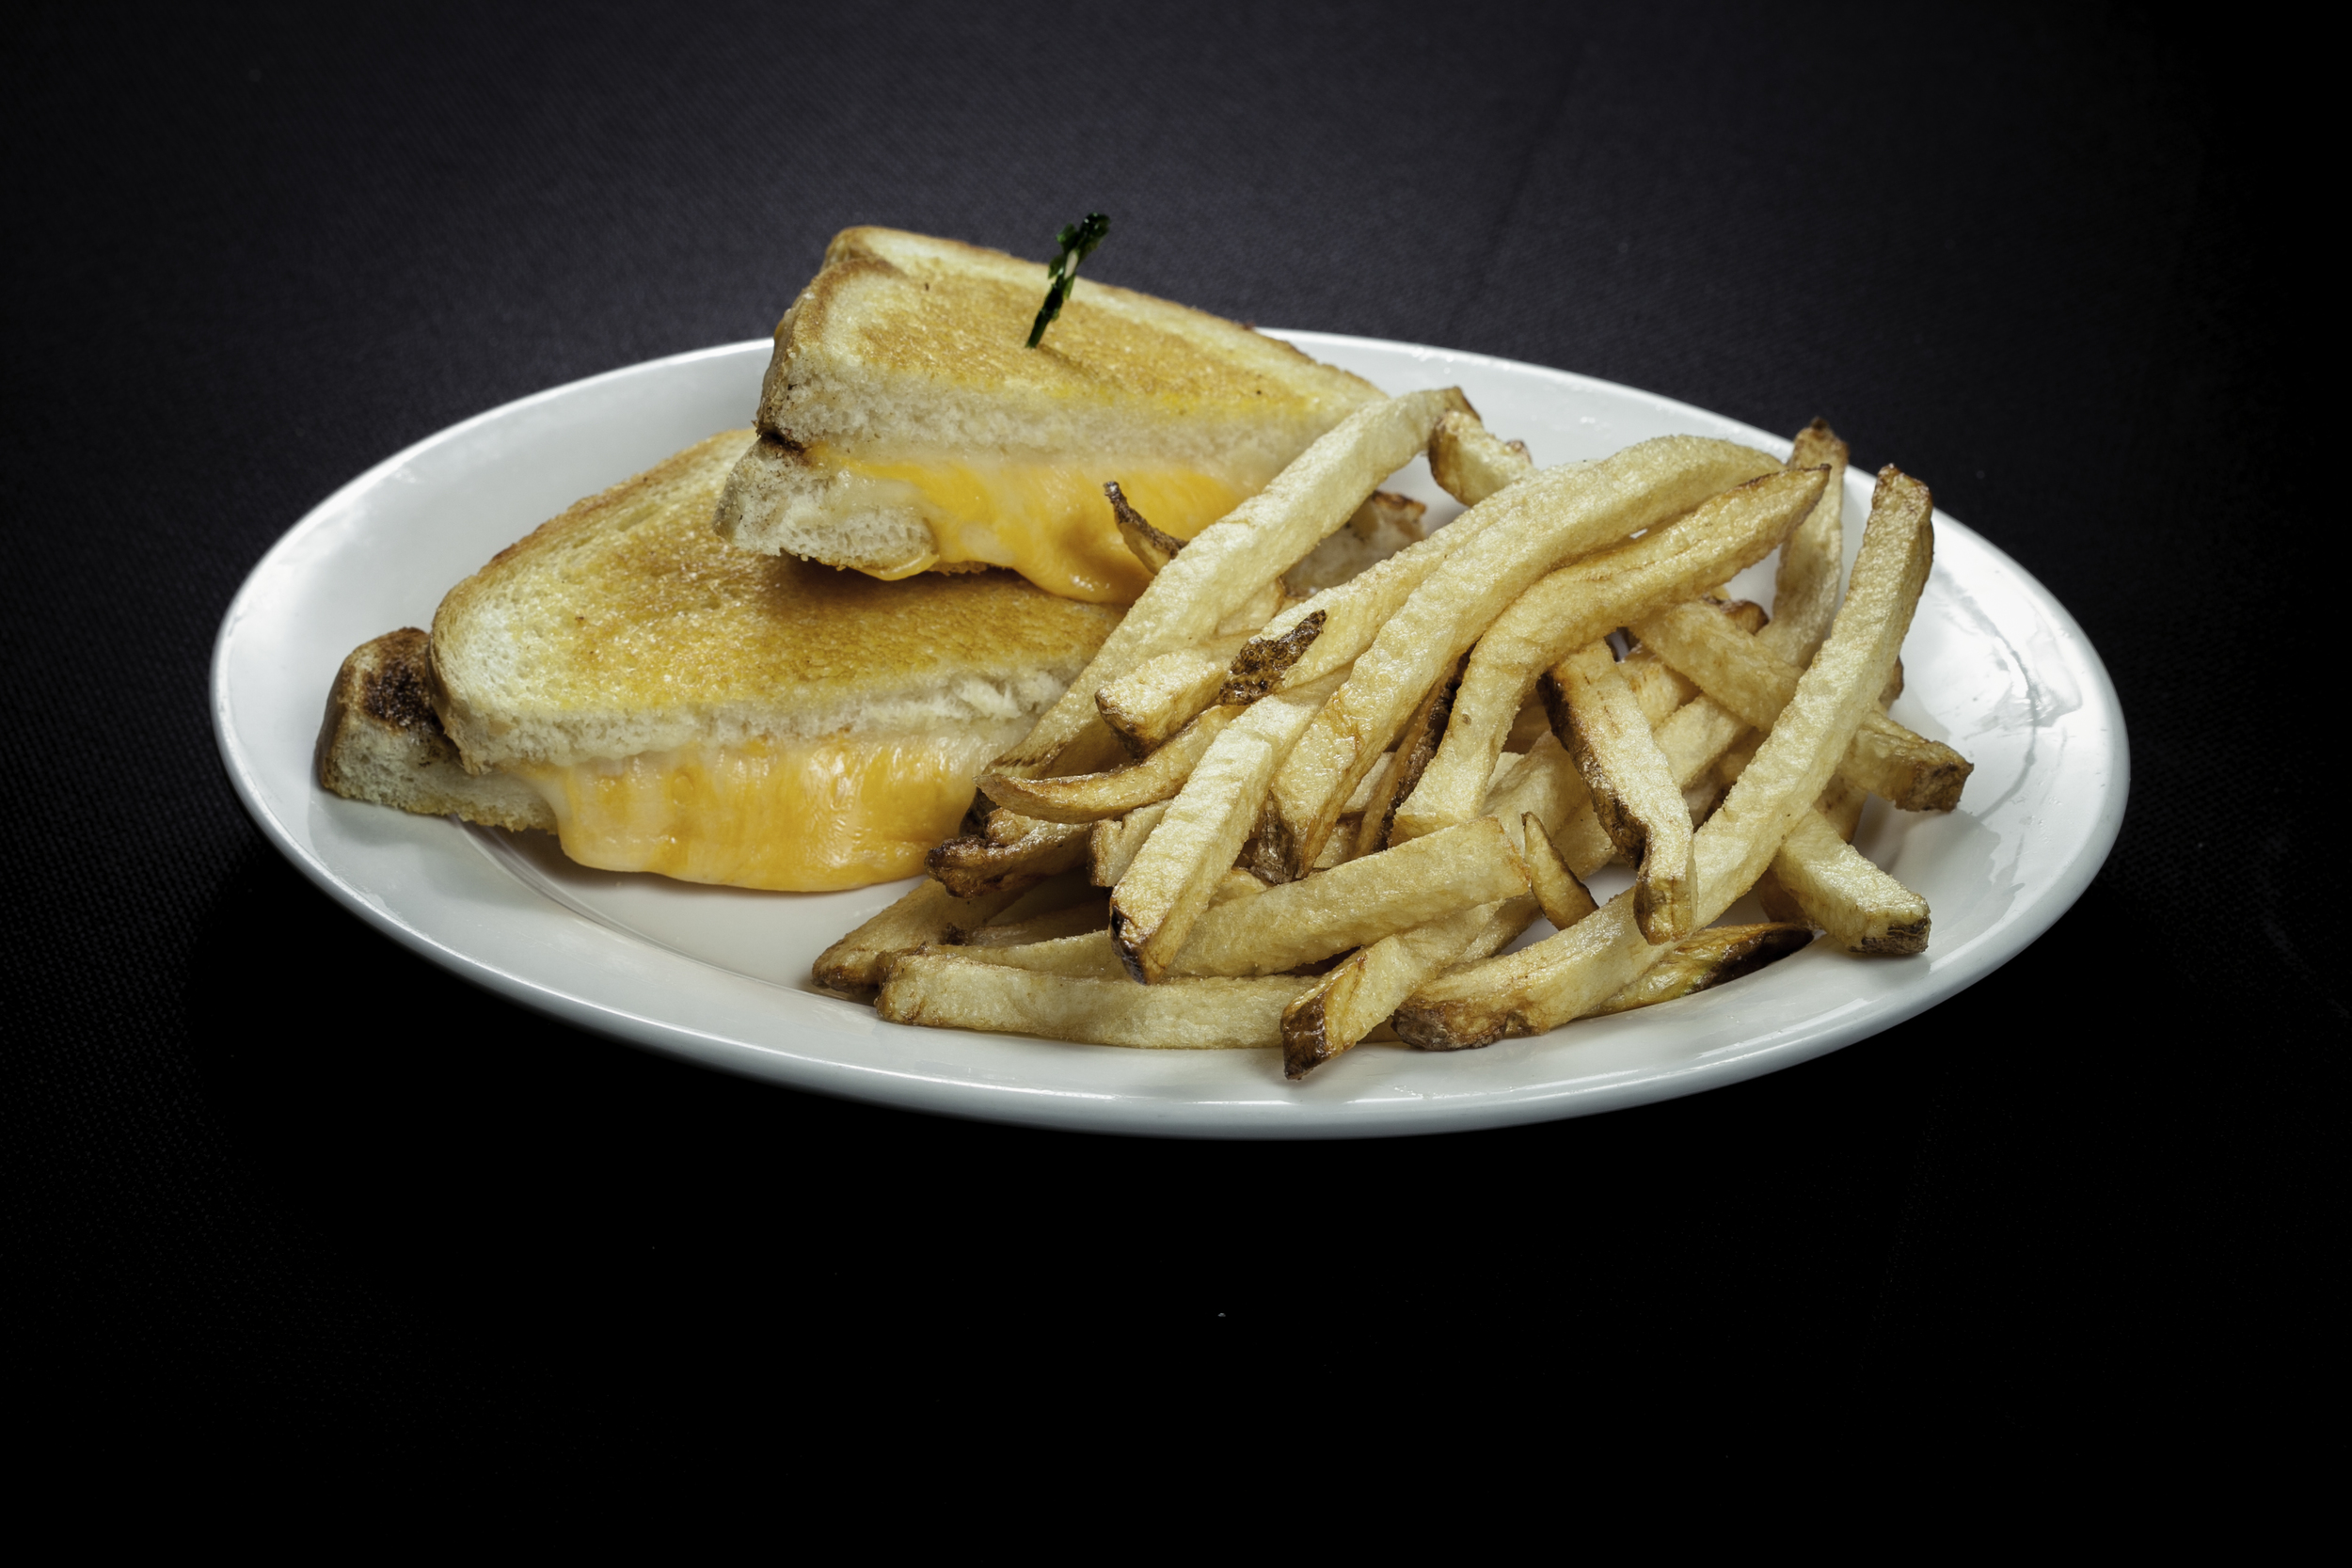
pixel 1218 570
pixel 1583 967
pixel 1562 898
pixel 1385 524
pixel 1551 515
pixel 1580 603
pixel 1162 695
pixel 1356 997
pixel 1633 794
pixel 1471 463
pixel 1532 725
pixel 983 863
pixel 929 913
pixel 1804 590
pixel 949 991
pixel 1235 885
pixel 1112 846
pixel 1658 686
pixel 1804 599
pixel 1545 785
pixel 1834 886
pixel 1707 959
pixel 1075 920
pixel 1099 796
pixel 1149 545
pixel 1564 512
pixel 1055 894
pixel 1155 904
pixel 1255 612
pixel 1393 783
pixel 1357 903
pixel 1747 679
pixel 1842 803
pixel 1086 953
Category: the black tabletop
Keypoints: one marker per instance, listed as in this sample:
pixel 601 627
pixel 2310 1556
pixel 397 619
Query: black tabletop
pixel 261 1162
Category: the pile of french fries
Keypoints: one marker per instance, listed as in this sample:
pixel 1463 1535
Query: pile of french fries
pixel 1264 819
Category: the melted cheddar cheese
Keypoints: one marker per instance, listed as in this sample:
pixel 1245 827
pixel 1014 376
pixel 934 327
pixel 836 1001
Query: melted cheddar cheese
pixel 1048 521
pixel 793 816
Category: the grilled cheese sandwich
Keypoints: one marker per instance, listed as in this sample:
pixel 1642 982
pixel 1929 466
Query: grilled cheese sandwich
pixel 666 702
pixel 905 427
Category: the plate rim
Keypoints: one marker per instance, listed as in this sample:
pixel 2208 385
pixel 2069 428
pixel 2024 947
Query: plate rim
pixel 1062 1110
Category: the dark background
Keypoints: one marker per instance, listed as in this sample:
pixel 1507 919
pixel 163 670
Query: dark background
pixel 262 1167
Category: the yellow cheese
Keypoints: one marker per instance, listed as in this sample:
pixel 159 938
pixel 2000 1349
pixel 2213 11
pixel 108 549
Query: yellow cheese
pixel 794 817
pixel 1048 521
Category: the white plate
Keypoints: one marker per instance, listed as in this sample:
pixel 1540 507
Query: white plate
pixel 1996 667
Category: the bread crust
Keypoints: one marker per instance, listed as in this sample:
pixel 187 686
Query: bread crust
pixel 382 742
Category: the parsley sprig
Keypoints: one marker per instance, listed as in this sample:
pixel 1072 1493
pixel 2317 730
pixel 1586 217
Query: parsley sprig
pixel 1077 240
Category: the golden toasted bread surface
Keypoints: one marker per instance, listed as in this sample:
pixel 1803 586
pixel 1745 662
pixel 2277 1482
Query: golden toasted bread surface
pixel 955 318
pixel 628 626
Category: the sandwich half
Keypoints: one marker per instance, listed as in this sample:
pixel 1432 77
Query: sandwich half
pixel 664 701
pixel 905 427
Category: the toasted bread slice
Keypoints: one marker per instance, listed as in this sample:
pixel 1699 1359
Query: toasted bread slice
pixel 383 742
pixel 906 427
pixel 667 702
pixel 625 625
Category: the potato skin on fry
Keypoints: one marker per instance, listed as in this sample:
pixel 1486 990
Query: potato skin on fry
pixel 945 991
pixel 1263 660
pixel 1712 957
pixel 976 864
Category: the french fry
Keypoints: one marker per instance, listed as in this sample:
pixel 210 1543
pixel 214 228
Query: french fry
pixel 1219 569
pixel 1695 735
pixel 1532 725
pixel 1570 973
pixel 1904 768
pixel 1533 526
pixel 927 914
pixel 1805 589
pixel 1834 887
pixel 1554 514
pixel 1293 648
pixel 984 862
pixel 1558 892
pixel 1356 998
pixel 1165 889
pixel 1545 783
pixel 1088 955
pixel 1162 695
pixel 949 991
pixel 1658 686
pixel 1582 602
pixel 1148 544
pixel 1503 928
pixel 1074 920
pixel 1842 803
pixel 1099 796
pixel 1385 524
pixel 1112 846
pixel 1707 959
pixel 1055 894
pixel 1635 796
pixel 1255 612
pixel 1393 780
pixel 1356 904
pixel 1471 463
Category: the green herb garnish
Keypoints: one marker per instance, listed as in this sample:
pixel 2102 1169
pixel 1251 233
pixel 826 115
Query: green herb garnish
pixel 1077 240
